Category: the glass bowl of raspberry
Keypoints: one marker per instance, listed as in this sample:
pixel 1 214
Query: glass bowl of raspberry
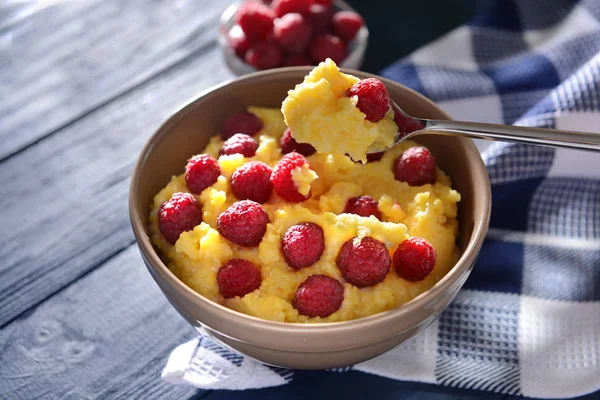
pixel 258 35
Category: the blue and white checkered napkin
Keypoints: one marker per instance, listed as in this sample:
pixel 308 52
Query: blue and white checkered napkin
pixel 528 319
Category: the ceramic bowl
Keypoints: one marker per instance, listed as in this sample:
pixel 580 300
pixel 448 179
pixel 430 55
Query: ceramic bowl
pixel 356 48
pixel 296 345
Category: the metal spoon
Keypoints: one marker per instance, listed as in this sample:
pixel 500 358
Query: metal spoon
pixel 411 126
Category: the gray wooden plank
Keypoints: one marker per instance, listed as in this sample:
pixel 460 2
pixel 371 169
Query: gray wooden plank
pixel 72 57
pixel 63 201
pixel 106 336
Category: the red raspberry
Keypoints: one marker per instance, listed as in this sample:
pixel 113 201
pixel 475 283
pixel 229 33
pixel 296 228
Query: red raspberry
pixel 324 3
pixel 364 262
pixel 256 20
pixel 327 46
pixel 238 277
pixel 289 144
pixel 373 157
pixel 244 223
pixel 282 181
pixel 416 166
pixel 365 206
pixel 238 41
pixel 264 55
pixel 297 60
pixel 303 244
pixel 282 7
pixel 405 124
pixel 318 296
pixel 292 32
pixel 373 98
pixel 346 24
pixel 414 259
pixel 252 181
pixel 179 214
pixel 320 18
pixel 240 143
pixel 201 172
pixel 243 122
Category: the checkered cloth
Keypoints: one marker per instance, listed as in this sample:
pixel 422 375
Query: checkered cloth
pixel 528 319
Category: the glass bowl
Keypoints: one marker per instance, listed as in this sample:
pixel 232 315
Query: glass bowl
pixel 356 48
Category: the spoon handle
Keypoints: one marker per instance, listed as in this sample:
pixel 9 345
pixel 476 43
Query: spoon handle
pixel 519 134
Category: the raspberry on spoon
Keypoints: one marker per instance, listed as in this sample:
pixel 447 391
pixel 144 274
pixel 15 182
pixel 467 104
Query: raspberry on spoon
pixel 373 98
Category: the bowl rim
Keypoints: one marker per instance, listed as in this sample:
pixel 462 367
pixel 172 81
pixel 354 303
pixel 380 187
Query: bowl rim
pixel 460 269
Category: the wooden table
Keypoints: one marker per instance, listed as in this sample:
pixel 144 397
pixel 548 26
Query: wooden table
pixel 83 84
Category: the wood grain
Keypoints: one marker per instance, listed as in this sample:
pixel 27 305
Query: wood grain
pixel 109 336
pixel 72 58
pixel 64 200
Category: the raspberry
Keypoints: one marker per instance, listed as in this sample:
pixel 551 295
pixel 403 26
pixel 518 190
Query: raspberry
pixel 282 181
pixel 238 41
pixel 365 206
pixel 346 24
pixel 282 7
pixel 303 244
pixel 296 60
pixel 373 98
pixel 318 296
pixel 373 157
pixel 178 214
pixel 201 172
pixel 405 124
pixel 289 144
pixel 324 3
pixel 416 166
pixel 264 55
pixel 256 20
pixel 327 46
pixel 414 259
pixel 243 122
pixel 238 277
pixel 252 181
pixel 240 143
pixel 292 32
pixel 364 262
pixel 244 223
pixel 320 18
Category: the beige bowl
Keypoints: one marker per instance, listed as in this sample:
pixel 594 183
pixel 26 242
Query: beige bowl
pixel 295 345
